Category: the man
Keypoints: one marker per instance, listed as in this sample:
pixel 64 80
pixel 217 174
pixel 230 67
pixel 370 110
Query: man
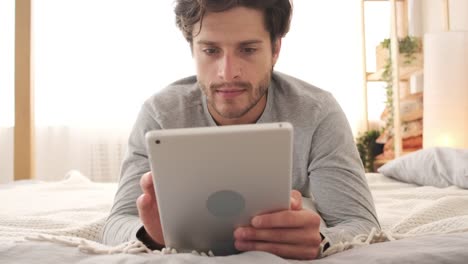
pixel 235 45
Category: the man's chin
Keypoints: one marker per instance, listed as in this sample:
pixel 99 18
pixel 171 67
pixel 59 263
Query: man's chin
pixel 231 113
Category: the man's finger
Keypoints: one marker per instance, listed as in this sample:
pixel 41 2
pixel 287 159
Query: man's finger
pixel 296 200
pixel 149 215
pixel 282 250
pixel 147 209
pixel 146 183
pixel 286 219
pixel 279 235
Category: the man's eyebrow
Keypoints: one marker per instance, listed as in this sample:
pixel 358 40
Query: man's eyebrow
pixel 242 43
pixel 206 42
pixel 249 42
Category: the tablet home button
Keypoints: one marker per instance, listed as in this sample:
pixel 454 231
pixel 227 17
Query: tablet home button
pixel 225 203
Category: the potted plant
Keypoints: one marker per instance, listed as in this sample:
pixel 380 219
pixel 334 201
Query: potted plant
pixel 410 49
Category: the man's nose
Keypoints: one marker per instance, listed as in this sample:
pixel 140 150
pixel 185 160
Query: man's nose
pixel 229 68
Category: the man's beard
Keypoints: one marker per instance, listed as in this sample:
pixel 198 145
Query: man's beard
pixel 233 113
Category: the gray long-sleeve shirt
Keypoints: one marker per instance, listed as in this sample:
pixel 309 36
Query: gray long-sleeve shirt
pixel 326 164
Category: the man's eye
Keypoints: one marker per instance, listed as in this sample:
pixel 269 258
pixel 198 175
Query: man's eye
pixel 248 50
pixel 210 51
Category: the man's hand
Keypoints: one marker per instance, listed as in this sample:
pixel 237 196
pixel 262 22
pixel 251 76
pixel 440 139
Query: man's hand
pixel 292 234
pixel 148 210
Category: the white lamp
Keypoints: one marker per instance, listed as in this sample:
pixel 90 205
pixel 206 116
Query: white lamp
pixel 445 120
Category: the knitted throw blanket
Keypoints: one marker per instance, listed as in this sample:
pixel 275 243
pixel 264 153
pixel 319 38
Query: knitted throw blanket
pixel 73 211
pixel 74 207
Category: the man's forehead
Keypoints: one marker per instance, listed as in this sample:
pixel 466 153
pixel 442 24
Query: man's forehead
pixel 242 24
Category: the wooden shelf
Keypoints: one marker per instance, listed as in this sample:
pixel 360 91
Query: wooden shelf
pixel 402 71
pixel 405 74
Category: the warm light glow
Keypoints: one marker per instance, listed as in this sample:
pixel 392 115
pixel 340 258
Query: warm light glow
pixel 445 141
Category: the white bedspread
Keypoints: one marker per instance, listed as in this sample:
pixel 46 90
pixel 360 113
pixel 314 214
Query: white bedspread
pixel 409 209
pixel 75 208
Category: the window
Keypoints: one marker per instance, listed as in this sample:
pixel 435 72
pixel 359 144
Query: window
pixel 7 24
pixel 7 36
pixel 96 61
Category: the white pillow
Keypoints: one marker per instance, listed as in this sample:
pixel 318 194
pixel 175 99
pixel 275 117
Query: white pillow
pixel 439 167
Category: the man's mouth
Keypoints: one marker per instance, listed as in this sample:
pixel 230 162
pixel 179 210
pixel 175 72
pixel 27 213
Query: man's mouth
pixel 229 93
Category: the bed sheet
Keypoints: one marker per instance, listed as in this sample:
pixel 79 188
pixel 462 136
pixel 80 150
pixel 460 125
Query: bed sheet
pixel 433 249
pixel 430 225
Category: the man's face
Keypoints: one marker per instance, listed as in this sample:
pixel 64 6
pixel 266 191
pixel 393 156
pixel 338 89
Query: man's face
pixel 234 60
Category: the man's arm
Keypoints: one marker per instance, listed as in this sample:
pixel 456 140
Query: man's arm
pixel 123 222
pixel 337 181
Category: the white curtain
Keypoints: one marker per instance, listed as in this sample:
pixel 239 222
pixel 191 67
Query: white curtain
pixel 95 152
pixel 7 33
pixel 96 61
pixel 6 154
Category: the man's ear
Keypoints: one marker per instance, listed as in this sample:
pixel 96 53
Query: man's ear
pixel 276 50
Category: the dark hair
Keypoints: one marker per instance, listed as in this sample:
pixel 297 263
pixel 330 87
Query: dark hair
pixel 277 14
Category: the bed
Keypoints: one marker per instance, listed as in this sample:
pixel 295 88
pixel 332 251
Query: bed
pixel 423 211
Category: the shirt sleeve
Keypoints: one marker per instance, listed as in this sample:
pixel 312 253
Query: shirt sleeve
pixel 123 222
pixel 337 180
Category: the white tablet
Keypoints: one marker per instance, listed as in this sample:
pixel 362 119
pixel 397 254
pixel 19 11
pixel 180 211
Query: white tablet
pixel 210 180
